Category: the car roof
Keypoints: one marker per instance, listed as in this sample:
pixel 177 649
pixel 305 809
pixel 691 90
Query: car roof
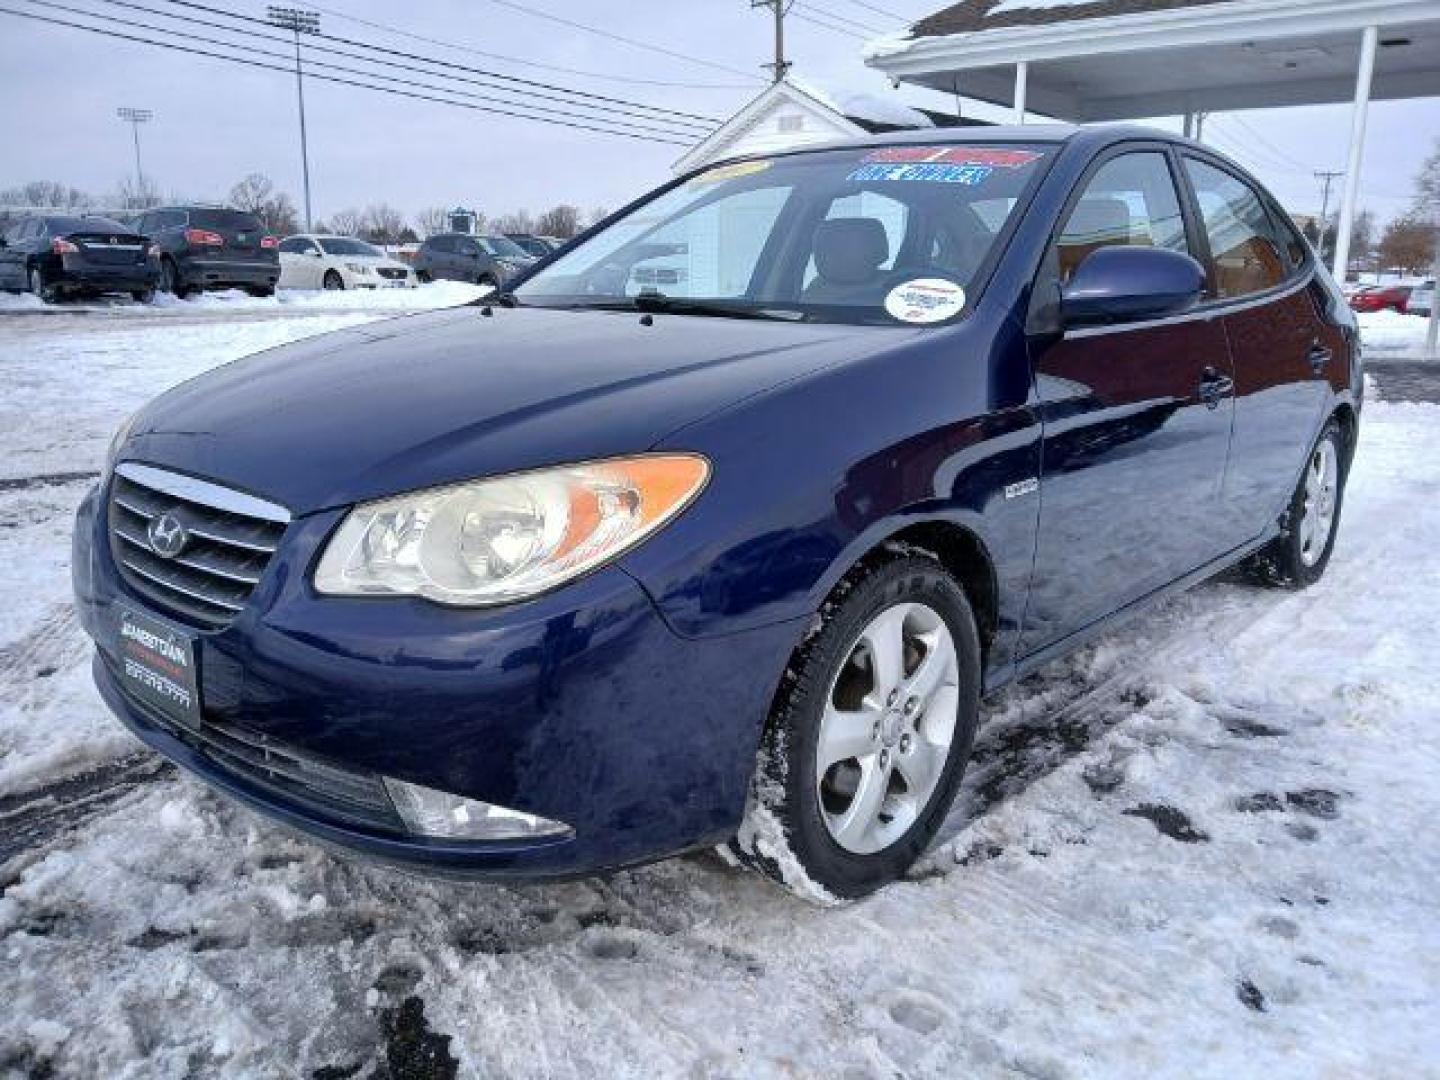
pixel 1051 134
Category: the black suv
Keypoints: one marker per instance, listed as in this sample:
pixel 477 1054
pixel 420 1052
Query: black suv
pixel 206 247
pixel 67 254
pixel 482 260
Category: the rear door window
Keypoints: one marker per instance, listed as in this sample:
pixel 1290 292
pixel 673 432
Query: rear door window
pixel 1244 246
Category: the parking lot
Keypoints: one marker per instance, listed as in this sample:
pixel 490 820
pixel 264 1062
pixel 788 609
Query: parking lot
pixel 1202 846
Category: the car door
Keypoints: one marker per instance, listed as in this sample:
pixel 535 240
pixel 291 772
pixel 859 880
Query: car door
pixel 1283 351
pixel 11 261
pixel 1136 416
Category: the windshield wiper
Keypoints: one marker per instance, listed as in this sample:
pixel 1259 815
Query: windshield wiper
pixel 679 305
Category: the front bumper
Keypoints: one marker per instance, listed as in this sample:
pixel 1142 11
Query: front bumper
pixel 581 706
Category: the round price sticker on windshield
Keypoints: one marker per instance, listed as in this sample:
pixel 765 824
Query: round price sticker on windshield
pixel 925 300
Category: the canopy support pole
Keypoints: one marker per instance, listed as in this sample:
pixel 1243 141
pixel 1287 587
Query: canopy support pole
pixel 1189 129
pixel 1363 79
pixel 1022 74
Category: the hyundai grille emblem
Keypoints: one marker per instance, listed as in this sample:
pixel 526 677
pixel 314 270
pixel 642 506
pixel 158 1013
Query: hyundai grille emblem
pixel 167 535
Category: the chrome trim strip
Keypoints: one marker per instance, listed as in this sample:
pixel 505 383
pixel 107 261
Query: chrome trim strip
pixel 182 560
pixel 1213 310
pixel 213 601
pixel 203 492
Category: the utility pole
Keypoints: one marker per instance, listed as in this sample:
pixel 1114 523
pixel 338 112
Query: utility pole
pixel 1326 177
pixel 781 8
pixel 299 21
pixel 136 117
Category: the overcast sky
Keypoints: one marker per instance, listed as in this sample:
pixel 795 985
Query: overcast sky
pixel 215 122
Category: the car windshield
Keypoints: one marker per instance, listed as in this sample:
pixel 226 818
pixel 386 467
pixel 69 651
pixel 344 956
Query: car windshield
pixel 345 245
pixel 887 235
pixel 502 246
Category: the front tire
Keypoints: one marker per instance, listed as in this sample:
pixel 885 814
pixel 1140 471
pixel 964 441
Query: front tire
pixel 171 281
pixel 1297 558
pixel 332 281
pixel 868 737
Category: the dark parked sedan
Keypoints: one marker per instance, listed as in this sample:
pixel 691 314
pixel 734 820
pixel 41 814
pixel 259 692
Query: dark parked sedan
pixel 61 256
pixel 480 260
pixel 210 247
pixel 597 572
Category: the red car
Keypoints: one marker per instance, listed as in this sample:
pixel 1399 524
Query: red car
pixel 1382 298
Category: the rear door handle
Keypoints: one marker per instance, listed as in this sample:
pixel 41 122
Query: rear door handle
pixel 1318 356
pixel 1214 386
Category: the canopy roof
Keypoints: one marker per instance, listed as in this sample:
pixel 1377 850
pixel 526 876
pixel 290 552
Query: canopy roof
pixel 1179 56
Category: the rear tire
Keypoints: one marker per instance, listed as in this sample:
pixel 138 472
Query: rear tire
pixel 423 276
pixel 47 292
pixel 1298 556
pixel 867 741
pixel 485 281
pixel 261 291
pixel 143 296
pixel 171 281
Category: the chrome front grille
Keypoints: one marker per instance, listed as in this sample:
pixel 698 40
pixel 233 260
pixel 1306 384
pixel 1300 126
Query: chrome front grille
pixel 227 540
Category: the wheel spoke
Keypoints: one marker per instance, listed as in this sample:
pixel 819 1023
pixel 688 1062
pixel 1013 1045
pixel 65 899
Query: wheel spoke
pixel 920 769
pixel 851 827
pixel 937 664
pixel 845 734
pixel 885 641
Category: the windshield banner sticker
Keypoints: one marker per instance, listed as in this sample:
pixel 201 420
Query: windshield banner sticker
pixel 929 172
pixel 988 156
pixel 925 300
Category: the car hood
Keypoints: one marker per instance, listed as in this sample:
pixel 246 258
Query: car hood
pixel 431 399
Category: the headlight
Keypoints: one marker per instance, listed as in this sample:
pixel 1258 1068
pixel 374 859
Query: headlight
pixel 357 268
pixel 496 541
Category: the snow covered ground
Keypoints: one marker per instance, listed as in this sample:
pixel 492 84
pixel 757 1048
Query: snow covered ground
pixel 1392 334
pixel 1202 847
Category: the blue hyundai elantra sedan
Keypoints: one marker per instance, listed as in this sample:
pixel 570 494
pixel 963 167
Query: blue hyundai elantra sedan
pixel 715 527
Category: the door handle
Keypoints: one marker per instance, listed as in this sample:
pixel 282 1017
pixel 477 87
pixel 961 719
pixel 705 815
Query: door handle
pixel 1319 356
pixel 1214 386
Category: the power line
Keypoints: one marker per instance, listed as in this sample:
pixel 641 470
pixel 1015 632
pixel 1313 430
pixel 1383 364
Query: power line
pixel 813 21
pixel 880 11
pixel 539 14
pixel 173 47
pixel 525 103
pixel 191 4
pixel 831 15
pixel 472 50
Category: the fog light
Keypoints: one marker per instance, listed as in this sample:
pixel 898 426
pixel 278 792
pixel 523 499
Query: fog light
pixel 428 812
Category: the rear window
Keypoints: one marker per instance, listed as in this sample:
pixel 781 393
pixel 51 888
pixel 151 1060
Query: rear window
pixel 502 246
pixel 61 225
pixel 232 220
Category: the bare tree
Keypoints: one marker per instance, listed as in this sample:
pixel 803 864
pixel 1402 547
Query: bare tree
pixel 46 193
pixel 382 224
pixel 597 215
pixel 346 222
pixel 432 220
pixel 518 221
pixel 137 195
pixel 252 193
pixel 562 221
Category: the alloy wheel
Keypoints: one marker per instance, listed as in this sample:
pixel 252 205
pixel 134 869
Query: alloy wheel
pixel 1322 483
pixel 886 731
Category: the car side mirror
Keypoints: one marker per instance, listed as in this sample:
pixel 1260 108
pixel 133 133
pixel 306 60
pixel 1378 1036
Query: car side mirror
pixel 1122 284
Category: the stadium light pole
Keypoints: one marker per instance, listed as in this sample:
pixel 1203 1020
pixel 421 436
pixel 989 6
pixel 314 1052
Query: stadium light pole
pixel 298 21
pixel 136 117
